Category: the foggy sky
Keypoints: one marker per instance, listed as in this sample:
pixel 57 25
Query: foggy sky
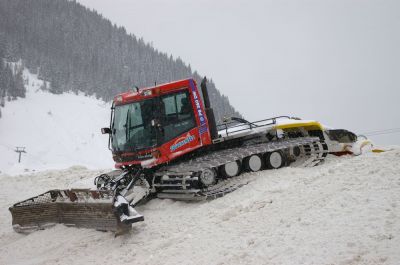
pixel 334 61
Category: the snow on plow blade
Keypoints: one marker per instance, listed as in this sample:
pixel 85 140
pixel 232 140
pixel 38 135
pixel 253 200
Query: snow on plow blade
pixel 80 208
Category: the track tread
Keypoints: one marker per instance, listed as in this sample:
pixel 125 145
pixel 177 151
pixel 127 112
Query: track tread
pixel 315 154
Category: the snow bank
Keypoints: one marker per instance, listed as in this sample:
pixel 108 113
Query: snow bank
pixel 58 131
pixel 343 212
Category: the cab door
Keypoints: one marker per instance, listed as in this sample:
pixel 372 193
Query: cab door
pixel 179 128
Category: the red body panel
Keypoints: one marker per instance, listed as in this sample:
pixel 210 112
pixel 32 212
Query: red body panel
pixel 183 144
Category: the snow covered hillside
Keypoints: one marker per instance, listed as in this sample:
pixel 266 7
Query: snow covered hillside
pixel 345 211
pixel 58 131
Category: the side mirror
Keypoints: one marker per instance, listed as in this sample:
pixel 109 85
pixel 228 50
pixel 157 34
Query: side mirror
pixel 105 130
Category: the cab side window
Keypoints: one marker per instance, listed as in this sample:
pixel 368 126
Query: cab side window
pixel 178 114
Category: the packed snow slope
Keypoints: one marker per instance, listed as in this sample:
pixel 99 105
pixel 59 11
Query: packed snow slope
pixel 345 211
pixel 58 131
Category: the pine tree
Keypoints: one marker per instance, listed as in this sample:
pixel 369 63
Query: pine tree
pixel 2 79
pixel 55 85
pixel 76 49
pixel 20 89
pixel 2 99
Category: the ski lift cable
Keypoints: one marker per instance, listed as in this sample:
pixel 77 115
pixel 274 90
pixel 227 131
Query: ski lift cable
pixel 380 131
pixel 7 146
pixel 34 157
pixel 384 132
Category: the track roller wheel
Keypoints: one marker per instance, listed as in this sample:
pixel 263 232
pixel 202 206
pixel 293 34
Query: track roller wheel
pixel 275 160
pixel 208 177
pixel 296 151
pixel 231 169
pixel 253 163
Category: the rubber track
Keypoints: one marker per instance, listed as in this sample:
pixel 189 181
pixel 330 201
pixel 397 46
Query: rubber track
pixel 313 157
pixel 225 156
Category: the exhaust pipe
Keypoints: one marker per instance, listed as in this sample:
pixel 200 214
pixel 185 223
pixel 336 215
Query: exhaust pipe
pixel 209 111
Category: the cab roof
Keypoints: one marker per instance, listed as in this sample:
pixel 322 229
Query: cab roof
pixel 150 92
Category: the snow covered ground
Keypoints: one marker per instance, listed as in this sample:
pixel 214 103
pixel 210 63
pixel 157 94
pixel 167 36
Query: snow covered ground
pixel 345 211
pixel 58 131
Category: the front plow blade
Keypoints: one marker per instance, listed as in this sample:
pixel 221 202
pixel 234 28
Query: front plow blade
pixel 79 208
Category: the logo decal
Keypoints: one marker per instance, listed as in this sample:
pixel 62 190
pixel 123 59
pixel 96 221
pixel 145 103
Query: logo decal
pixel 203 124
pixel 144 156
pixel 187 140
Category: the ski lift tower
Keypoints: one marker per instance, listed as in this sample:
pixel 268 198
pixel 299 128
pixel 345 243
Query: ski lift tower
pixel 20 150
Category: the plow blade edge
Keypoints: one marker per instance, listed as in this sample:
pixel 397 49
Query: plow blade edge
pixel 78 208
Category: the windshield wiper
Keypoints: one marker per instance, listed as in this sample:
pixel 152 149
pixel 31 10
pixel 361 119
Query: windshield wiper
pixel 127 125
pixel 128 132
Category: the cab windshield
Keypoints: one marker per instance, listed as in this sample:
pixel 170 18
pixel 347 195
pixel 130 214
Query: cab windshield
pixel 152 122
pixel 132 127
